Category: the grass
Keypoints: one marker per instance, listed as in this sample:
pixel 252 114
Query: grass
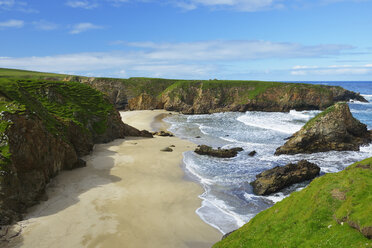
pixel 313 216
pixel 317 118
pixel 14 73
pixel 56 103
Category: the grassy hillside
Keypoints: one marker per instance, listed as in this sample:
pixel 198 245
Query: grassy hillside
pixel 14 73
pixel 327 213
pixel 55 103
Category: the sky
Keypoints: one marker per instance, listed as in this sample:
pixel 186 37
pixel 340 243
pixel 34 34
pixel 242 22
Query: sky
pixel 277 40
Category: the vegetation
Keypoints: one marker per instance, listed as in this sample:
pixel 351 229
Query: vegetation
pixel 321 215
pixel 13 73
pixel 56 103
pixel 317 118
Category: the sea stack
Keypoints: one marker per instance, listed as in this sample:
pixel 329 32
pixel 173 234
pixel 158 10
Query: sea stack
pixel 333 129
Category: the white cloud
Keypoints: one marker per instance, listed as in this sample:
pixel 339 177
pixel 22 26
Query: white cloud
pixel 9 5
pixel 12 24
pixel 240 5
pixel 45 25
pixel 82 4
pixel 179 60
pixel 332 70
pixel 84 26
pixel 234 50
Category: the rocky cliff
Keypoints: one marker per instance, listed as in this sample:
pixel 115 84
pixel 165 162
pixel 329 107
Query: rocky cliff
pixel 209 96
pixel 333 129
pixel 333 211
pixel 46 127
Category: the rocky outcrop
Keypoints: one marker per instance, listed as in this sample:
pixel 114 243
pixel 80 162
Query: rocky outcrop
pixel 219 153
pixel 210 97
pixel 163 133
pixel 45 127
pixel 278 178
pixel 203 97
pixel 333 129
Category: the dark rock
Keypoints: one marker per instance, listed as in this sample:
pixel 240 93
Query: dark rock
pixel 227 234
pixel 172 146
pixel 220 153
pixel 197 137
pixel 275 179
pixel 167 149
pixel 252 153
pixel 333 129
pixel 164 134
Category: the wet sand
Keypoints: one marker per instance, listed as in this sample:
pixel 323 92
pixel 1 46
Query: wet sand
pixel 130 195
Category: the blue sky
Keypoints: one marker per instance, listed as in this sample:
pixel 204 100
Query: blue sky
pixel 281 40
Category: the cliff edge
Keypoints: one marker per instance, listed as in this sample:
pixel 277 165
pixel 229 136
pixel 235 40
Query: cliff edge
pixel 45 127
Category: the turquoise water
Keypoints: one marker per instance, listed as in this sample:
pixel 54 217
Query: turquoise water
pixel 228 200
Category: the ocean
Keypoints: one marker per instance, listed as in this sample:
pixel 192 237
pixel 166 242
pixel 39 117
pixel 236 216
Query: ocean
pixel 228 201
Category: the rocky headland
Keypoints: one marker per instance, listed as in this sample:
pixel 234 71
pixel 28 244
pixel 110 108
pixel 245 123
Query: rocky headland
pixel 210 96
pixel 45 127
pixel 335 129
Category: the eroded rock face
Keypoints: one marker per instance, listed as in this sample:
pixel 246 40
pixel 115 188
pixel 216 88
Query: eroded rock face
pixel 219 153
pixel 278 178
pixel 333 129
pixel 41 142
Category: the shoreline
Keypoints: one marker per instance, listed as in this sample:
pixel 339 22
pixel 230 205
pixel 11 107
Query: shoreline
pixel 129 194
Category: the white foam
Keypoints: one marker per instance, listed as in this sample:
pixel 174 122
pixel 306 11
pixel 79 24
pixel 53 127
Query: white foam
pixel 276 197
pixel 280 122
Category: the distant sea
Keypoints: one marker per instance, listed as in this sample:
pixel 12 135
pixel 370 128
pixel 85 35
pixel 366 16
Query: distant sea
pixel 228 200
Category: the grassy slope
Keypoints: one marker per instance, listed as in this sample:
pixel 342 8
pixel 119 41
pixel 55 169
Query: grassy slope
pixel 14 73
pixel 308 218
pixel 55 103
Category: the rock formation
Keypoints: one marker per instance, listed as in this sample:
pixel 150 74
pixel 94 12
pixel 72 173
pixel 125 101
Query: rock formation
pixel 278 178
pixel 333 129
pixel 45 127
pixel 210 96
pixel 219 153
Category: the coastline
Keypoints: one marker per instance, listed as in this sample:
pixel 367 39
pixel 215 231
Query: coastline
pixel 130 194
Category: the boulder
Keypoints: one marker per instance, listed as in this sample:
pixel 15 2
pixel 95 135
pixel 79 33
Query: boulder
pixel 275 179
pixel 167 149
pixel 252 153
pixel 164 133
pixel 333 129
pixel 220 153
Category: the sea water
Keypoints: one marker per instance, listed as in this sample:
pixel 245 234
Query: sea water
pixel 228 201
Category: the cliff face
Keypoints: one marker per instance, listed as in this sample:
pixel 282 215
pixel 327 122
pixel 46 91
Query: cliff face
pixel 252 96
pixel 333 129
pixel 202 97
pixel 44 128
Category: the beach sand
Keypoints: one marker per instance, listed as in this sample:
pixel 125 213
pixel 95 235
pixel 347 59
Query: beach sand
pixel 131 194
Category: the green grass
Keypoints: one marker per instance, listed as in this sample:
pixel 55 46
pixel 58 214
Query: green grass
pixel 311 217
pixel 317 118
pixel 56 103
pixel 14 73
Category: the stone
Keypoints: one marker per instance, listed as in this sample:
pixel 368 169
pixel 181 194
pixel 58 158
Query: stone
pixel 276 179
pixel 167 149
pixel 220 153
pixel 333 129
pixel 252 153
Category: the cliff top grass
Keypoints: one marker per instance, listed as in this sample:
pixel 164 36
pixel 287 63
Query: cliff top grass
pixel 14 73
pixel 320 215
pixel 55 103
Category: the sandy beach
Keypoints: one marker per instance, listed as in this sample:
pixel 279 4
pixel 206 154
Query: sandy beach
pixel 131 194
